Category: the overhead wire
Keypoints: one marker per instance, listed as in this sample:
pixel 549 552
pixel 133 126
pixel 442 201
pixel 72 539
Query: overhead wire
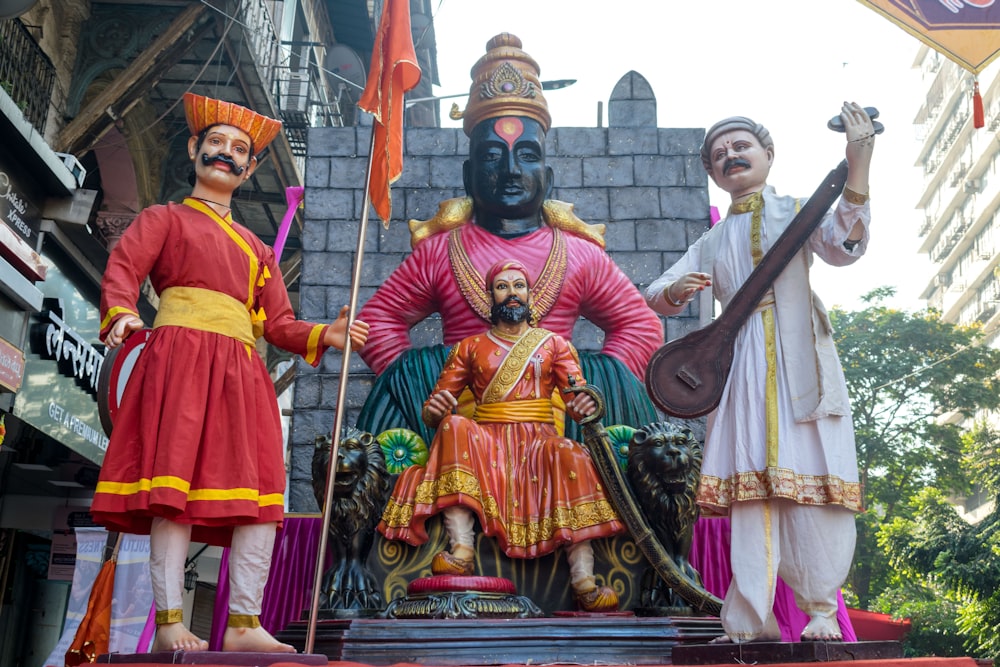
pixel 285 55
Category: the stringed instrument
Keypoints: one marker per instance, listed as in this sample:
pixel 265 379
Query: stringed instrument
pixel 685 377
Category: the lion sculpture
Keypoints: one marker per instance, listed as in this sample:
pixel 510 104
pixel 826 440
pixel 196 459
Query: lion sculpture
pixel 361 485
pixel 664 463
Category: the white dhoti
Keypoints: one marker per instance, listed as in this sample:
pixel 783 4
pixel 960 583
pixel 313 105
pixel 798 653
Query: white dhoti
pixel 809 546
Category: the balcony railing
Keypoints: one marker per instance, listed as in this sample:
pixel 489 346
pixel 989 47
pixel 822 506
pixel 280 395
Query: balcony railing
pixel 262 37
pixel 26 73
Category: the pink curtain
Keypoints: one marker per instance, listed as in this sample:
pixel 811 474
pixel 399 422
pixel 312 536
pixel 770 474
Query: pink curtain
pixel 710 556
pixel 289 588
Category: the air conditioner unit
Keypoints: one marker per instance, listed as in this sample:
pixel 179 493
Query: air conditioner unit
pixel 957 286
pixel 941 280
pixel 958 174
pixel 74 167
pixel 972 186
pixel 295 95
pixel 986 310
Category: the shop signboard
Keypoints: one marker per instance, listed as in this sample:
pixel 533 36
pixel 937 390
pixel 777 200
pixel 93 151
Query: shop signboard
pixel 59 393
pixel 16 208
pixel 11 366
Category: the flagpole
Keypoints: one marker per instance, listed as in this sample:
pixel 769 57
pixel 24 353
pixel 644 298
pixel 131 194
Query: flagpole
pixel 338 418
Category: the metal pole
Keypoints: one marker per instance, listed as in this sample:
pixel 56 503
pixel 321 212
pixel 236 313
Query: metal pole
pixel 338 419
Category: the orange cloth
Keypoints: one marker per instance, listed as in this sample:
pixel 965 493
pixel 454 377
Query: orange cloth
pixel 197 438
pixel 532 489
pixel 393 71
pixel 94 633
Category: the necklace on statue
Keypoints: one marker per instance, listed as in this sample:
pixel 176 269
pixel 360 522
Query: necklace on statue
pixel 209 201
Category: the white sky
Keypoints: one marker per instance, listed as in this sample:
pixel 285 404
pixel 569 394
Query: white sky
pixel 789 64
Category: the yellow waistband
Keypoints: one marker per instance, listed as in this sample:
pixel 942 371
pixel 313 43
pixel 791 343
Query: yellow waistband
pixel 535 410
pixel 204 310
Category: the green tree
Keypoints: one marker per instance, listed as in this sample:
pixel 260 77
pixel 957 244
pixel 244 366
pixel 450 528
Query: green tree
pixel 935 546
pixel 933 613
pixel 913 379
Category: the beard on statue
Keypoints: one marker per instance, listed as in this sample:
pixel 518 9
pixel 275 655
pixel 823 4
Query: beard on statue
pixel 513 310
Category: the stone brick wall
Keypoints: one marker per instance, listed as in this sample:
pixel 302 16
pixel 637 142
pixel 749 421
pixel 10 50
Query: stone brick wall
pixel 646 183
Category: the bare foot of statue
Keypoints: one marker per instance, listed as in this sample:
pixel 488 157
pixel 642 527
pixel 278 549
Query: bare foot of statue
pixel 253 640
pixel 763 637
pixel 822 629
pixel 176 637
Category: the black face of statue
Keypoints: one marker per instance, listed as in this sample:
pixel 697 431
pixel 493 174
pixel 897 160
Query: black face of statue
pixel 506 174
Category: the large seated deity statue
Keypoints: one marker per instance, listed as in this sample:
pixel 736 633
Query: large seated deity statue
pixel 507 213
pixel 531 489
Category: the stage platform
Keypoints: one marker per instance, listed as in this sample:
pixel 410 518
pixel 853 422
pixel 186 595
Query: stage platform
pixel 222 662
pixel 576 639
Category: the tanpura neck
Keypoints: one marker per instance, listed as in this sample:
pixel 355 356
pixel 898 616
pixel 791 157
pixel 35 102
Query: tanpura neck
pixel 509 228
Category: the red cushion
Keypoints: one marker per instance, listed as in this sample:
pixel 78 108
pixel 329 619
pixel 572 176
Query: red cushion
pixel 449 583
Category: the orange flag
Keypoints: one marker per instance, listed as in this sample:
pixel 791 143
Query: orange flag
pixel 393 71
pixel 93 636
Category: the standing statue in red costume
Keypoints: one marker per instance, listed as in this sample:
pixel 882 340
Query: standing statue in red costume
pixel 508 213
pixel 531 489
pixel 196 451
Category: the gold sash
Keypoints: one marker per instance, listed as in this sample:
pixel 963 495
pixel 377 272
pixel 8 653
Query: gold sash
pixel 532 410
pixel 204 310
pixel 514 365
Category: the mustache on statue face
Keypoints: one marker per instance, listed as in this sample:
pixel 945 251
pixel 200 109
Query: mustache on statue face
pixel 207 159
pixel 512 309
pixel 735 162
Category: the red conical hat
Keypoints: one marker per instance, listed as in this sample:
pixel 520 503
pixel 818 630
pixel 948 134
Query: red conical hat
pixel 205 112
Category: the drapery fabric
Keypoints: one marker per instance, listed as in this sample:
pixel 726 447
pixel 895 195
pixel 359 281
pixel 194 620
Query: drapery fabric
pixel 289 589
pixel 710 556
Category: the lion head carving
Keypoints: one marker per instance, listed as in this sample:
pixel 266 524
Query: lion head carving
pixel 664 464
pixel 361 483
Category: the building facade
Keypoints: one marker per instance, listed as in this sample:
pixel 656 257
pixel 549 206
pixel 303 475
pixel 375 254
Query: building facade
pixel 961 203
pixel 961 195
pixel 91 132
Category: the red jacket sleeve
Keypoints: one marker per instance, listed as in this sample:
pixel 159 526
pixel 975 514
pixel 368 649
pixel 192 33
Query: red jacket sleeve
pixel 130 262
pixel 281 328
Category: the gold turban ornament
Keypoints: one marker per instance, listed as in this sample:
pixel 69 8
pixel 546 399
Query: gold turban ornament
pixel 203 112
pixel 504 83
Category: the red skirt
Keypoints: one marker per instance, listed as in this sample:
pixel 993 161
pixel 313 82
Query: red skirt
pixel 532 489
pixel 197 440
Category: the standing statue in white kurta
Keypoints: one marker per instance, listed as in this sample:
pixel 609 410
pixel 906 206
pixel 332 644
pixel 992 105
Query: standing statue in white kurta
pixel 779 453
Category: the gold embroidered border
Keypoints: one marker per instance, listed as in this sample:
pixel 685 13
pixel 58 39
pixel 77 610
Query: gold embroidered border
pixel 756 205
pixel 168 616
pixel 755 202
pixel 243 621
pixel 769 548
pixel 582 516
pixel 514 365
pixel 853 197
pixel 770 388
pixel 472 284
pixel 779 483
